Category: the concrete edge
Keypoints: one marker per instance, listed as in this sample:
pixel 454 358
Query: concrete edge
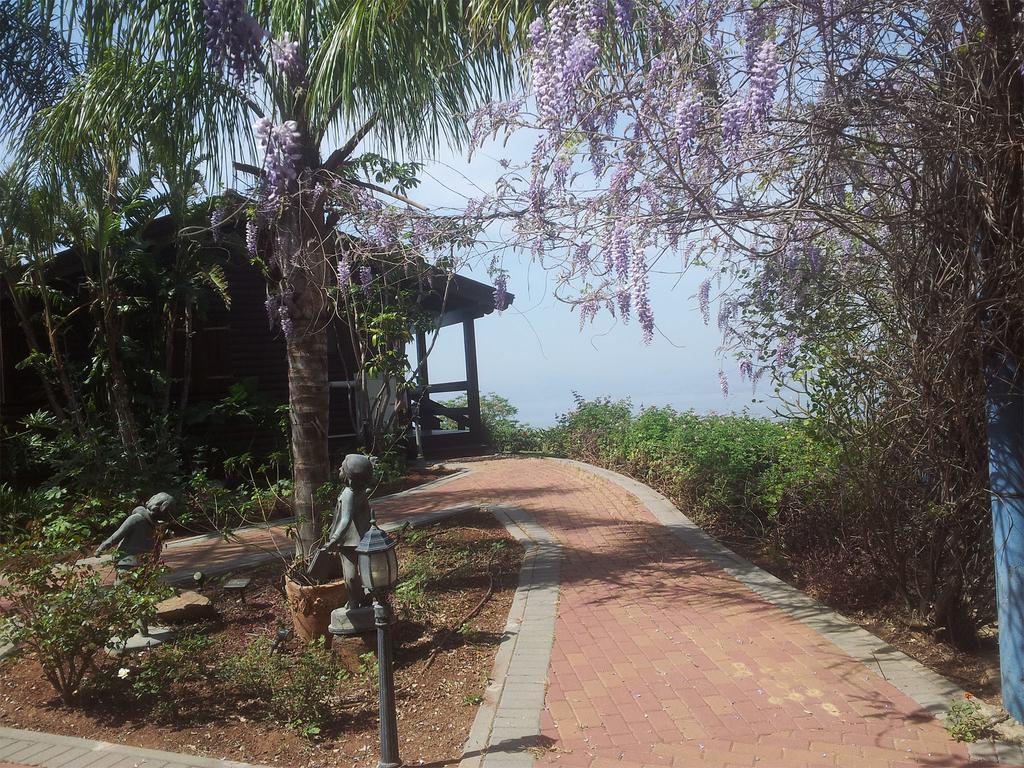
pixel 929 689
pixel 52 751
pixel 507 722
pixel 186 541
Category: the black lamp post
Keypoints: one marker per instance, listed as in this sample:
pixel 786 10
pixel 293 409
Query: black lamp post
pixel 378 570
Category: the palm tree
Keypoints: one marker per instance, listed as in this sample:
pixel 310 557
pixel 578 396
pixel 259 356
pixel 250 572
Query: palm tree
pixel 404 72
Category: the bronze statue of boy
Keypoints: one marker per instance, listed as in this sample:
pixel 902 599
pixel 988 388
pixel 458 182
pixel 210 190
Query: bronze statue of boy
pixel 136 537
pixel 351 522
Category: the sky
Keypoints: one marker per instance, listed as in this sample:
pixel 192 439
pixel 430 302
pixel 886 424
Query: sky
pixel 535 354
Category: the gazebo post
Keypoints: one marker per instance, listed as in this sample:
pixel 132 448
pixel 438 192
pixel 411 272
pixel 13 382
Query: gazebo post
pixel 472 379
pixel 421 359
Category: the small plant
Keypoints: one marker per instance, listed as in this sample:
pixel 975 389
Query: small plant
pixel 63 614
pixel 368 668
pixel 302 692
pixel 472 699
pixel 157 675
pixel 965 720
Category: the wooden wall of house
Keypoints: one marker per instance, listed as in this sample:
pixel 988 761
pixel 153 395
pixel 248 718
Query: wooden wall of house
pixel 20 393
pixel 230 345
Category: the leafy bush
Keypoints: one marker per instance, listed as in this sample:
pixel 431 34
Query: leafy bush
pixel 63 614
pixel 734 474
pixel 504 432
pixel 965 720
pixel 156 678
pixel 302 692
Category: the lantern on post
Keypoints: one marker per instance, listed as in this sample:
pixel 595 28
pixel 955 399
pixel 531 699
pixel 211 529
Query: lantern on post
pixel 378 563
pixel 378 571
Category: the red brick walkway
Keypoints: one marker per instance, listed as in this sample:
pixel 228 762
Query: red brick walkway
pixel 662 659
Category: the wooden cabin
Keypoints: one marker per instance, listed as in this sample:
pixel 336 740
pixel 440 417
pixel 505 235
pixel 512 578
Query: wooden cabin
pixel 236 343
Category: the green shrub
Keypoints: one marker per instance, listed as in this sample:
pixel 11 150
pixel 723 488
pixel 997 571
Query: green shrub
pixel 301 692
pixel 733 473
pixel 157 676
pixel 965 721
pixel 503 430
pixel 64 615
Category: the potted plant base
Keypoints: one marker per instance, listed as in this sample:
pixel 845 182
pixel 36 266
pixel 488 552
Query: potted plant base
pixel 311 606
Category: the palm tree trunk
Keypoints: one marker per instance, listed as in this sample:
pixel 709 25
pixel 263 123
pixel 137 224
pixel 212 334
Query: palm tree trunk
pixel 308 398
pixel 306 303
pixel 59 364
pixel 186 375
pixel 24 320
pixel 119 391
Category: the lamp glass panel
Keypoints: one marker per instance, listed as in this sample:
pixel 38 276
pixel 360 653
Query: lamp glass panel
pixel 392 567
pixel 379 567
pixel 364 570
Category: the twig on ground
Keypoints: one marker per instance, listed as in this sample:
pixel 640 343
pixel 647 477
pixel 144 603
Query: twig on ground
pixel 462 622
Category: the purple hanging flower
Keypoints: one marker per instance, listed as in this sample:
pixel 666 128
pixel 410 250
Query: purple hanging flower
pixel 734 115
pixel 217 224
pixel 272 305
pixel 234 38
pixel 501 292
pixel 588 311
pixel 763 77
pixel 641 289
pixel 580 59
pixel 723 382
pixel 288 59
pixel 620 251
pixel 704 300
pixel 624 300
pixel 590 19
pixel 624 14
pixel 282 145
pixel 422 233
pixel 252 236
pixel 287 324
pixel 560 171
pixel 581 256
pixel 687 119
pixel 344 273
pixel 746 370
pixel 784 350
pixel 366 279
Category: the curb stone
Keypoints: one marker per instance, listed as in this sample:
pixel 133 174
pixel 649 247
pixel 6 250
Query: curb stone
pixel 929 689
pixel 507 724
pixel 48 750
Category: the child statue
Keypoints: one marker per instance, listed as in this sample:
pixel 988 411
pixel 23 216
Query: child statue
pixel 136 537
pixel 351 522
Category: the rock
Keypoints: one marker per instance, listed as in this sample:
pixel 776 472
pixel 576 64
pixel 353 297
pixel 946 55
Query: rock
pixel 186 606
pixel 140 641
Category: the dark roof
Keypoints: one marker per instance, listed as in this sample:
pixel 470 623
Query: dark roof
pixel 463 299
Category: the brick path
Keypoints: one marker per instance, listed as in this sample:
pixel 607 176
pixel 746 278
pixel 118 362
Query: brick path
pixel 661 658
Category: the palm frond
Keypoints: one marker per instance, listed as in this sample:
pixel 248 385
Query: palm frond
pixel 421 64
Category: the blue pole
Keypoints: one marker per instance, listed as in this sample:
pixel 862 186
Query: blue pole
pixel 1006 477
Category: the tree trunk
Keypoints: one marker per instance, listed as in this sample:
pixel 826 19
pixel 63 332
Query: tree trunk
pixel 186 376
pixel 308 399
pixel 22 315
pixel 301 254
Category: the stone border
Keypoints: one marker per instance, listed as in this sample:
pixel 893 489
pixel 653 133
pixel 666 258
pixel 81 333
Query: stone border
pixel 507 724
pixel 929 689
pixel 51 751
